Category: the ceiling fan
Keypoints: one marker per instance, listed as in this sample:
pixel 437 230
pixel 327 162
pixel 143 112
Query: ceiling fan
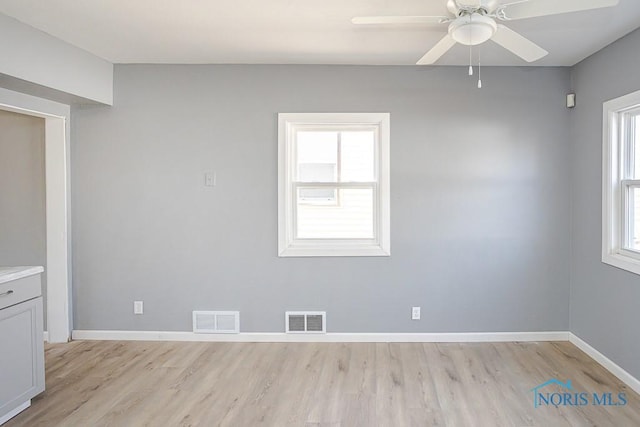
pixel 473 22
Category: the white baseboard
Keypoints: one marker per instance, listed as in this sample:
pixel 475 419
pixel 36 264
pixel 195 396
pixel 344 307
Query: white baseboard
pixel 329 337
pixel 15 412
pixel 607 363
pixel 46 336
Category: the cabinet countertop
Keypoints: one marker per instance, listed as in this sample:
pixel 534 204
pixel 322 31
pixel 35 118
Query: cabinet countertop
pixel 8 274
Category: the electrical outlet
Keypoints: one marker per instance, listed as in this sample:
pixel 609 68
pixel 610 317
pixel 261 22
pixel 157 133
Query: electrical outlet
pixel 415 313
pixel 138 307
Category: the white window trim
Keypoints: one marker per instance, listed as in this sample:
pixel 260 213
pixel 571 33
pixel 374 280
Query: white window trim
pixel 613 193
pixel 287 245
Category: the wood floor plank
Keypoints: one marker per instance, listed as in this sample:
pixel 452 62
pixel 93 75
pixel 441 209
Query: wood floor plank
pixel 93 383
pixel 390 394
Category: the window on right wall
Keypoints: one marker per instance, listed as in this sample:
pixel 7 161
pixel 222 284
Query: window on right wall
pixel 621 183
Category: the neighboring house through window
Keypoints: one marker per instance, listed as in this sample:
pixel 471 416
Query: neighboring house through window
pixel 333 184
pixel 621 183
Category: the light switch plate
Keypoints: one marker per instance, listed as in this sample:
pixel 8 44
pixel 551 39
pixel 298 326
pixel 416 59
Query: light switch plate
pixel 138 307
pixel 210 179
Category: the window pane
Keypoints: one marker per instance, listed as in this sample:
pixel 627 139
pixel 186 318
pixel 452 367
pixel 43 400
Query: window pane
pixel 635 134
pixel 349 217
pixel 357 156
pixel 317 172
pixel 317 156
pixel 634 218
pixel 318 196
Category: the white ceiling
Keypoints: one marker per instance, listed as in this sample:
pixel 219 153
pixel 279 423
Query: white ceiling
pixel 298 31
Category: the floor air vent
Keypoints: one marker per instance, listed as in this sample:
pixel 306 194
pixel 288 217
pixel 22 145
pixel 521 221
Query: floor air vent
pixel 306 322
pixel 216 322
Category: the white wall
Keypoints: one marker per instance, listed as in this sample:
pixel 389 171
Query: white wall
pixel 43 61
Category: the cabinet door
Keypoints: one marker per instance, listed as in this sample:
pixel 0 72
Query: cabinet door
pixel 21 354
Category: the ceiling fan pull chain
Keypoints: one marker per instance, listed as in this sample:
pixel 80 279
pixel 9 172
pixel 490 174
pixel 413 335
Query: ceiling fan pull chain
pixel 479 70
pixel 470 55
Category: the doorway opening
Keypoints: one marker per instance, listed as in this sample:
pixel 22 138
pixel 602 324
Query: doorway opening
pixel 58 290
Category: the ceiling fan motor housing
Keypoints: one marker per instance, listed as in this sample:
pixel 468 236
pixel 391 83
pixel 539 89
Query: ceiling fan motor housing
pixel 472 29
pixel 456 7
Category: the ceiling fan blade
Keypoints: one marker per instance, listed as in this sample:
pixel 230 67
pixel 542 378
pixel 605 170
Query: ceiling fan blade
pixel 535 8
pixel 437 51
pixel 374 20
pixel 517 44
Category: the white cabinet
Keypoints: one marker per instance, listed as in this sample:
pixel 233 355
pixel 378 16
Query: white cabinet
pixel 21 344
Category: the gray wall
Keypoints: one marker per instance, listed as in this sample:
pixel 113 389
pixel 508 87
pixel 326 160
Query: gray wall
pixel 480 200
pixel 605 309
pixel 22 192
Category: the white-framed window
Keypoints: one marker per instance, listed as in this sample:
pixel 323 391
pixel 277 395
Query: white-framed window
pixel 621 183
pixel 333 184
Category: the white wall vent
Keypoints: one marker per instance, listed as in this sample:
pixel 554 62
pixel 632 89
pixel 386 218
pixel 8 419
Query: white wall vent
pixel 306 322
pixel 216 322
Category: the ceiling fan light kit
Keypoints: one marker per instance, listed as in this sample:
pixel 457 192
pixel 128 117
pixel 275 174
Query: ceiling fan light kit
pixel 473 29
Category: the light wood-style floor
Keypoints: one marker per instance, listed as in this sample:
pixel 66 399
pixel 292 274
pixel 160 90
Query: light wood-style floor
pixel 312 384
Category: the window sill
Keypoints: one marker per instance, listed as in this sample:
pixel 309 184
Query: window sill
pixel 334 251
pixel 623 262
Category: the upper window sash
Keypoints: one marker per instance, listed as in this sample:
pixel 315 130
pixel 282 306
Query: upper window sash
pixel 627 139
pixel 295 128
